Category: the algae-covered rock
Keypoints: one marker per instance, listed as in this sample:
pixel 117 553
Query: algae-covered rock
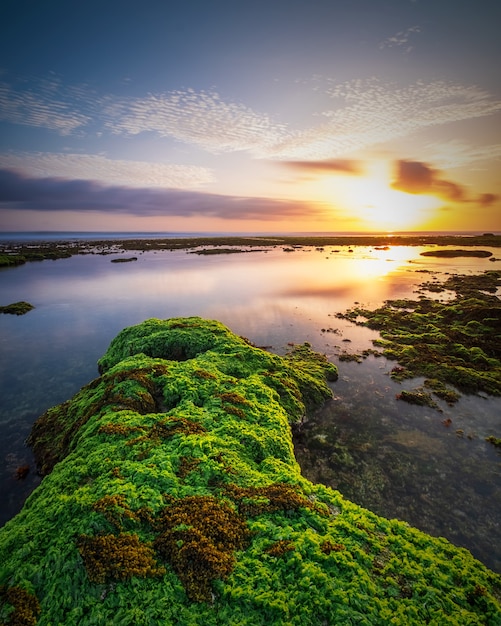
pixel 456 342
pixel 11 260
pixel 17 308
pixel 172 496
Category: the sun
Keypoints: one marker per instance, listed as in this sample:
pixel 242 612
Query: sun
pixel 372 200
pixel 388 209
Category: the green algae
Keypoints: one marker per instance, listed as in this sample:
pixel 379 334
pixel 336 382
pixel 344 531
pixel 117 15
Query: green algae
pixel 454 343
pixel 496 441
pixel 161 506
pixel 11 260
pixel 417 396
pixel 17 308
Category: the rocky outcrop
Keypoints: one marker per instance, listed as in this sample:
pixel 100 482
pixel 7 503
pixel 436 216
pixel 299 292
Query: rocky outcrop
pixel 172 496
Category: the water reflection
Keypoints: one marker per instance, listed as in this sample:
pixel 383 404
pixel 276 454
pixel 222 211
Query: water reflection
pixel 397 459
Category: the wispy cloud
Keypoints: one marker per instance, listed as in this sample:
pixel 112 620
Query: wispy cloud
pixel 53 194
pixel 110 171
pixel 361 114
pixel 369 113
pixel 400 39
pixel 45 104
pixel 455 153
pixel 332 166
pixel 420 178
pixel 201 118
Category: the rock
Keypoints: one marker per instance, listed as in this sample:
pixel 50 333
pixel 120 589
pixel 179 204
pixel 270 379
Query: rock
pixel 17 308
pixel 455 253
pixel 172 496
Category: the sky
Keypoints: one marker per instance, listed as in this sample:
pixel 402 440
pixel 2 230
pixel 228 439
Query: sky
pixel 263 116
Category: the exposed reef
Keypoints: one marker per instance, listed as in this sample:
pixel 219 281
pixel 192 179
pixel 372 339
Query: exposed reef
pixel 127 259
pixel 455 342
pixel 11 260
pixel 172 496
pixel 450 254
pixel 15 252
pixel 17 308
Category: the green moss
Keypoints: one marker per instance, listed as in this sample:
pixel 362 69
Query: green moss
pixel 417 396
pixel 496 441
pixel 456 343
pixel 17 308
pixel 442 391
pixel 11 260
pixel 160 505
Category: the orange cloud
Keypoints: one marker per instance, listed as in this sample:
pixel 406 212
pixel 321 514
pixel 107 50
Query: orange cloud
pixel 327 166
pixel 419 178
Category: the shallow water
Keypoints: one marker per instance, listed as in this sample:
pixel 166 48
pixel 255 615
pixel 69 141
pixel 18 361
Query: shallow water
pixel 397 459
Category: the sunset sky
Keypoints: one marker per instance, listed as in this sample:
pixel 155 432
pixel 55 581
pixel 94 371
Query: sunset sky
pixel 262 116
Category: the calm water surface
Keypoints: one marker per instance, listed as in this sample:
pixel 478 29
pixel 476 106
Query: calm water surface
pixel 396 459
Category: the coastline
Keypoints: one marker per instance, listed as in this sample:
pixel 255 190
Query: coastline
pixel 40 249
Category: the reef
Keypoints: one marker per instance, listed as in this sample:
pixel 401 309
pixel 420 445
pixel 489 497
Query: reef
pixel 454 343
pixel 450 254
pixel 13 253
pixel 171 495
pixel 17 308
pixel 128 259
pixel 11 260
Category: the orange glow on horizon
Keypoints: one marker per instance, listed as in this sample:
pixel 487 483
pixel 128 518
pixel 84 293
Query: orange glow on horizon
pixel 371 199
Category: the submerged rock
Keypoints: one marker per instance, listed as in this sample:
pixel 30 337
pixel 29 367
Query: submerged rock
pixel 172 496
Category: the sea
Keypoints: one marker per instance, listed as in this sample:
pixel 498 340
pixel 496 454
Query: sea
pixel 57 235
pixel 431 468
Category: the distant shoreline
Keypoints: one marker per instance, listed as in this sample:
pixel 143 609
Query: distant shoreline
pixel 61 235
pixel 38 250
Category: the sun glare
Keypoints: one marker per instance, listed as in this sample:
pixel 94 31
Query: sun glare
pixel 372 199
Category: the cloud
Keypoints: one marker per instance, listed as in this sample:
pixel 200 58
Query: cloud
pixel 454 153
pixel 416 177
pixel 198 117
pixel 45 104
pixel 55 194
pixel 360 114
pixel 111 171
pixel 400 39
pixel 327 166
pixel 372 113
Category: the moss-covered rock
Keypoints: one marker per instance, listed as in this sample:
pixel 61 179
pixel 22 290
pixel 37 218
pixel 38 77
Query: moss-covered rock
pixel 172 496
pixel 11 260
pixel 17 308
pixel 457 342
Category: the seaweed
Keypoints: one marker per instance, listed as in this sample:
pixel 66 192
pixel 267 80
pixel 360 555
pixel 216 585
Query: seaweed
pixel 17 308
pixel 454 343
pixel 117 557
pixel 198 537
pixel 161 506
pixel 25 606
